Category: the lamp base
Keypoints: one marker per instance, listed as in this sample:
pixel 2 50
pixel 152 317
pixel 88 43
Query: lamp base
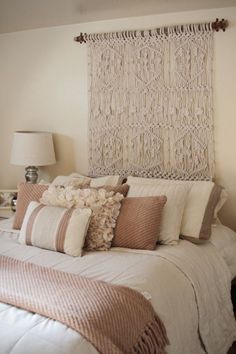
pixel 31 175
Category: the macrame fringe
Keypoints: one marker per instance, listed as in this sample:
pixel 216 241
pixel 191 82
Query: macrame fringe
pixel 153 340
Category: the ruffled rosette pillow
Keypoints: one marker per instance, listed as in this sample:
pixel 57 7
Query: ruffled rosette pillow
pixel 105 206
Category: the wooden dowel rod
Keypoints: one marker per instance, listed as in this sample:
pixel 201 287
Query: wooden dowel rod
pixel 216 26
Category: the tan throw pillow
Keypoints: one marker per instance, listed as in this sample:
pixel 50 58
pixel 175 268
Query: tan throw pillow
pixel 139 221
pixel 27 193
pixel 54 228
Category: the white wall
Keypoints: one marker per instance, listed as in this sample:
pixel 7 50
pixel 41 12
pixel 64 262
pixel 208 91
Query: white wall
pixel 43 86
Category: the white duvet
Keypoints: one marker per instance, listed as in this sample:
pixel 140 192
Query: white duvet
pixel 188 286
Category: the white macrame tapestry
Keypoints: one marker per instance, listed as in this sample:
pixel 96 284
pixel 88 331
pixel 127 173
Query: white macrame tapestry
pixel 151 103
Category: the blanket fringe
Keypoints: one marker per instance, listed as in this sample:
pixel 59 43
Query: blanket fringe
pixel 153 339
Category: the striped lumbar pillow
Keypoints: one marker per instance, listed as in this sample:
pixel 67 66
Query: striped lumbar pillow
pixel 55 228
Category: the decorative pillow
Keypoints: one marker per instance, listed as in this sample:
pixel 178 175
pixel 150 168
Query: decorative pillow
pixel 105 206
pixel 204 200
pixel 199 210
pixel 27 192
pixel 139 221
pixel 101 181
pixel 75 182
pixel 54 228
pixel 68 197
pixel 174 208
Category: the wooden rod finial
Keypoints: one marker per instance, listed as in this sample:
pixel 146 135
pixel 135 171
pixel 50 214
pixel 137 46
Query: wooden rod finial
pixel 220 25
pixel 80 38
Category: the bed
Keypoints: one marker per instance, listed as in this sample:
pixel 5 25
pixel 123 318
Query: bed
pixel 186 284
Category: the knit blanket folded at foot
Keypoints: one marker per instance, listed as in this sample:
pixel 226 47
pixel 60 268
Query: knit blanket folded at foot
pixel 115 319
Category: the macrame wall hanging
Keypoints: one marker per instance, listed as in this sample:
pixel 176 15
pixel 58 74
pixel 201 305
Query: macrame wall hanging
pixel 151 103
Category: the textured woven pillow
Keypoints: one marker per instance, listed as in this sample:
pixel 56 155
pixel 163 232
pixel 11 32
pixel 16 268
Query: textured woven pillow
pixel 105 206
pixel 27 193
pixel 139 221
pixel 55 228
pixel 174 208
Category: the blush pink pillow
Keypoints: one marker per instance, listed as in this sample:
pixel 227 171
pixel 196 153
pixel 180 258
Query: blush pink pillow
pixel 27 192
pixel 139 221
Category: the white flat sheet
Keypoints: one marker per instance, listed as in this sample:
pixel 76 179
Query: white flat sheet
pixel 224 239
pixel 181 282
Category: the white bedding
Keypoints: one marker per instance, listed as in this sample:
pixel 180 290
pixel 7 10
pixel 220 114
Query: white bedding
pixel 187 284
pixel 224 239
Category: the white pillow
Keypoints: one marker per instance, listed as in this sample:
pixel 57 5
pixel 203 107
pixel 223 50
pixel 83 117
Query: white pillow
pixel 115 180
pixel 199 211
pixel 173 210
pixel 55 228
pixel 204 200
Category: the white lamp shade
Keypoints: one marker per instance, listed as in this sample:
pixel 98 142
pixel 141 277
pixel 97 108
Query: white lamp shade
pixel 32 149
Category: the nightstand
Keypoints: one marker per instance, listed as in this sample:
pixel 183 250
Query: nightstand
pixel 6 214
pixel 7 202
pixel 233 294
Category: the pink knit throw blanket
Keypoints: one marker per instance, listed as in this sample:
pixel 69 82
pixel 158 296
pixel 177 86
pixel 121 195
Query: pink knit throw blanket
pixel 115 319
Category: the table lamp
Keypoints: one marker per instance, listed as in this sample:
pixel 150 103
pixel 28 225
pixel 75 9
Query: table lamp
pixel 31 149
